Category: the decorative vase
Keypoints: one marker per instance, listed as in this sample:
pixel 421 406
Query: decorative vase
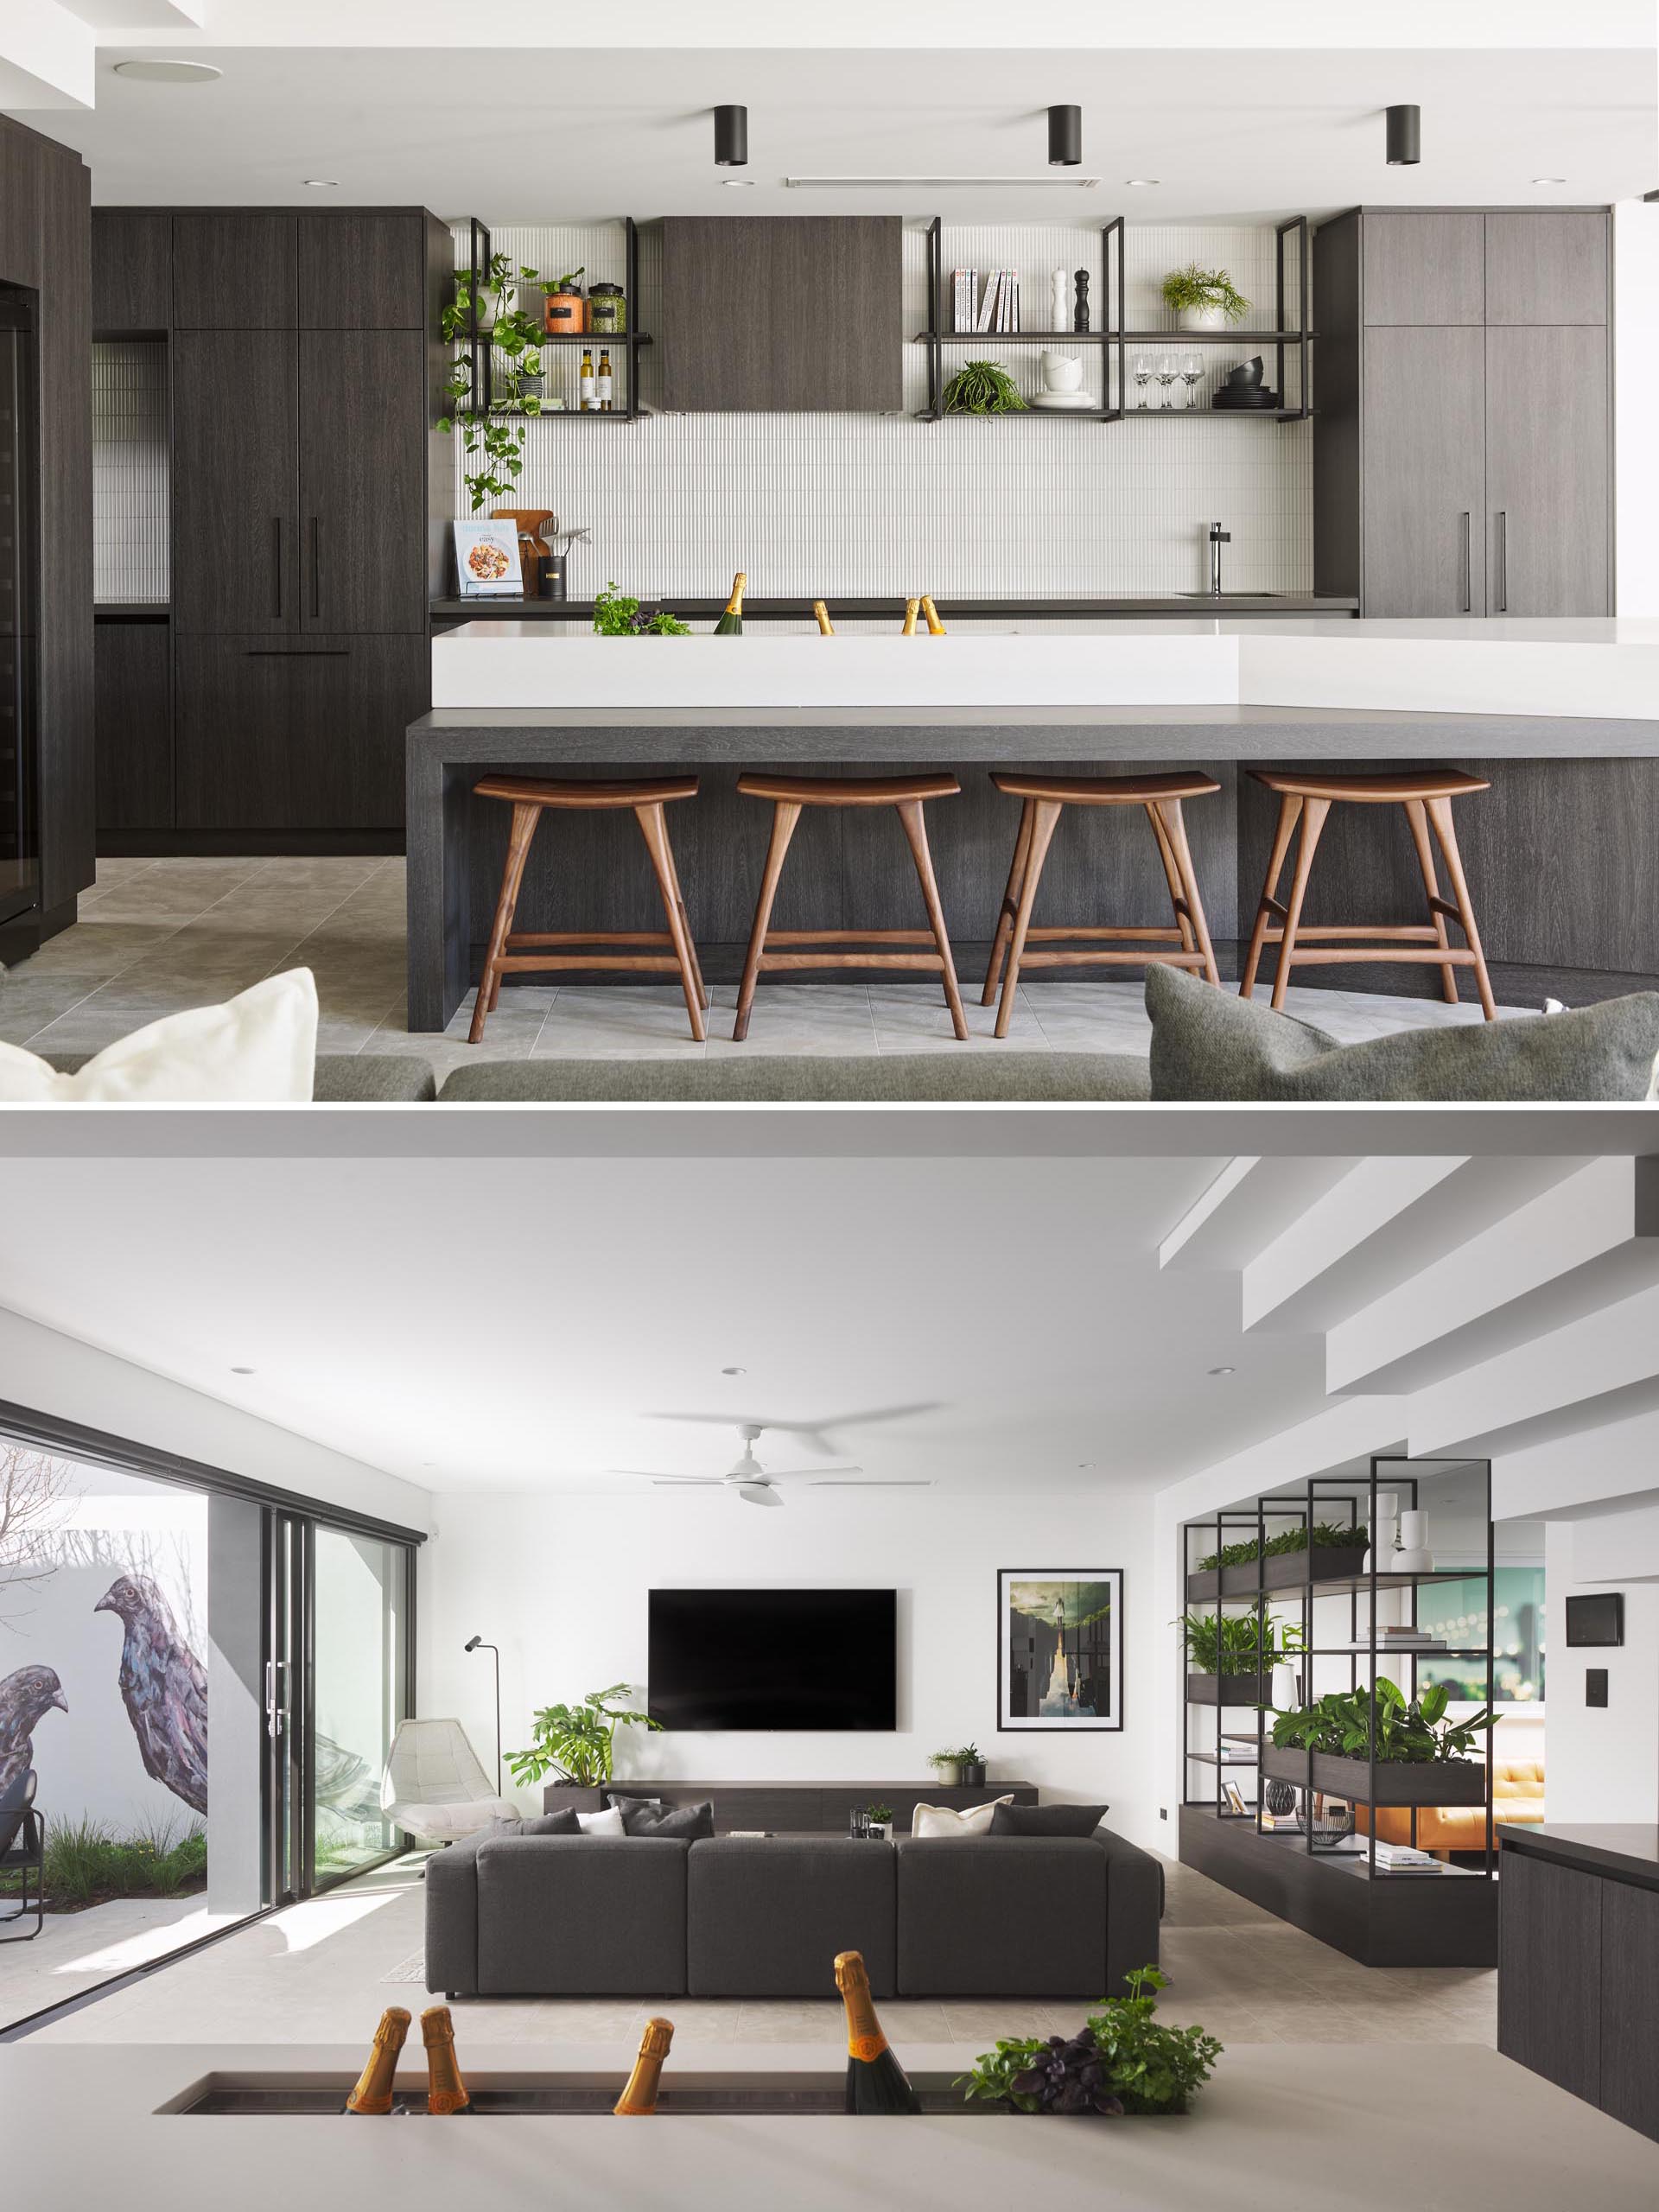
pixel 1278 1798
pixel 971 1774
pixel 1285 1693
pixel 948 1777
pixel 1201 319
pixel 1412 1554
pixel 1382 1533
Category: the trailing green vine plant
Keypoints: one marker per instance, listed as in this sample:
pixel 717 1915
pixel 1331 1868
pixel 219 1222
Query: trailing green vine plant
pixel 494 443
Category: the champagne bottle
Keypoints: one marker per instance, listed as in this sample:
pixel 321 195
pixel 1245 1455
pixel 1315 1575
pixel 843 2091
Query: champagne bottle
pixel 588 397
pixel 826 628
pixel 911 606
pixel 730 624
pixel 603 383
pixel 935 628
pixel 446 2092
pixel 640 2095
pixel 875 2080
pixel 374 2092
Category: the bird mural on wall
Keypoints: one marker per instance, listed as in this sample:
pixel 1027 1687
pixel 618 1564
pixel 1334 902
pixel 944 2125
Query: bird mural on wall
pixel 24 1697
pixel 164 1687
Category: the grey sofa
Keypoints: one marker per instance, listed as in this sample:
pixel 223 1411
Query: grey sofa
pixel 746 1917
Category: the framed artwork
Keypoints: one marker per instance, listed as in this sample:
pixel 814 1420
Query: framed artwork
pixel 1060 1649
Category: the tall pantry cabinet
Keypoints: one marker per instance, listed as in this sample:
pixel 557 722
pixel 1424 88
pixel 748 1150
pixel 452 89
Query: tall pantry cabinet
pixel 1462 445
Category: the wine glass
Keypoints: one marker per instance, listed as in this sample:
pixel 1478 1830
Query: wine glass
pixel 1142 378
pixel 1192 373
pixel 1166 375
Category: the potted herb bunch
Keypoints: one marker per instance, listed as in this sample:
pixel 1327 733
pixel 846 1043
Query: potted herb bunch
pixel 576 1744
pixel 1204 299
pixel 617 615
pixel 1229 1657
pixel 1122 2060
pixel 1426 1754
pixel 881 1819
pixel 983 387
pixel 1299 1554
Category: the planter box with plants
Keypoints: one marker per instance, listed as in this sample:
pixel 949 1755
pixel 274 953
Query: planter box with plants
pixel 1421 1756
pixel 1121 2062
pixel 576 1744
pixel 1287 1562
pixel 963 1769
pixel 1230 1656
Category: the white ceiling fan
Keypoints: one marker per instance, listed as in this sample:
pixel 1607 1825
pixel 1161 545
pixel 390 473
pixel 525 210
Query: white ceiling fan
pixel 757 1485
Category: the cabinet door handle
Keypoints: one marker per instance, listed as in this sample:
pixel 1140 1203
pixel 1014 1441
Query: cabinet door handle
pixel 280 578
pixel 1503 561
pixel 316 569
pixel 1468 567
pixel 298 652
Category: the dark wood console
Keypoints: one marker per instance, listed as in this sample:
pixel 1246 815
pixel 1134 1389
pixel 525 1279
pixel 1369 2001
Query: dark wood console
pixel 791 1807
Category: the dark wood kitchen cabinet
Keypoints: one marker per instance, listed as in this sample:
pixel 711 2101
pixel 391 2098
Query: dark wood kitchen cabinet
pixel 67 778
pixel 363 269
pixel 783 314
pixel 362 489
pixel 1424 527
pixel 1424 265
pixel 1547 475
pixel 1546 266
pixel 133 272
pixel 235 270
pixel 133 668
pixel 235 464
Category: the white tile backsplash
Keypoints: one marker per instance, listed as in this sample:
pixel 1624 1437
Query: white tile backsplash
pixel 871 504
pixel 130 477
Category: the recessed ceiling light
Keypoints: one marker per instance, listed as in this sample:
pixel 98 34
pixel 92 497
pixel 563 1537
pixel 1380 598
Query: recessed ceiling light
pixel 1223 1370
pixel 170 73
pixel 1138 181
pixel 1549 180
pixel 1048 181
pixel 734 1370
pixel 738 183
pixel 1084 1463
pixel 323 183
pixel 245 1370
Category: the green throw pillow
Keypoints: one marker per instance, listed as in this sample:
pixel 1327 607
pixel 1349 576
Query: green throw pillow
pixel 1210 1043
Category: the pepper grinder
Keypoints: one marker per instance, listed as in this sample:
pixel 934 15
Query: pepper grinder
pixel 1080 318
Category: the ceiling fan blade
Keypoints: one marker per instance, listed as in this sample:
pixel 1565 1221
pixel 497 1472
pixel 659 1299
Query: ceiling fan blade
pixel 811 1474
pixel 686 1481
pixel 870 1481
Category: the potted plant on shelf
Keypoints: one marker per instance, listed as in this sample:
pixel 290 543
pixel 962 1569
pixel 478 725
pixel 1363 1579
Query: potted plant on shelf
pixel 983 387
pixel 947 1765
pixel 970 1766
pixel 576 1744
pixel 1426 1754
pixel 1326 1551
pixel 485 313
pixel 1229 1656
pixel 881 1818
pixel 1204 299
pixel 1122 2060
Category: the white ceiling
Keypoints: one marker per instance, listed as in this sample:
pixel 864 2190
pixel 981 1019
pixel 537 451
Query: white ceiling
pixel 468 1326
pixel 575 134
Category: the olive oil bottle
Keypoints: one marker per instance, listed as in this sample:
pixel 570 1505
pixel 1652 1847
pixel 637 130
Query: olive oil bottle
pixel 588 395
pixel 730 624
pixel 876 2082
pixel 602 383
pixel 373 2095
pixel 640 2094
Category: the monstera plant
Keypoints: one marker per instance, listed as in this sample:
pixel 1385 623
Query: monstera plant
pixel 576 1742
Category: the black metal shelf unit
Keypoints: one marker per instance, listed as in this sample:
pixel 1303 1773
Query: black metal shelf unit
pixel 1292 292
pixel 628 342
pixel 1321 1493
pixel 938 335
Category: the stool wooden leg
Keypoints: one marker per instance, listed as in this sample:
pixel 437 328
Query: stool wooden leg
pixel 1172 878
pixel 1010 903
pixel 910 813
pixel 785 816
pixel 1174 829
pixel 524 819
pixel 1418 822
pixel 1313 813
pixel 1439 813
pixel 1046 815
pixel 654 830
pixel 1289 808
pixel 703 998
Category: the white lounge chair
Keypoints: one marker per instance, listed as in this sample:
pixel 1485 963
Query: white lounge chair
pixel 434 1785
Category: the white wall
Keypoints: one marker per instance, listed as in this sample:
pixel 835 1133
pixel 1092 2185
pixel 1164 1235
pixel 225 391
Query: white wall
pixel 561 1583
pixel 1604 1763
pixel 1636 422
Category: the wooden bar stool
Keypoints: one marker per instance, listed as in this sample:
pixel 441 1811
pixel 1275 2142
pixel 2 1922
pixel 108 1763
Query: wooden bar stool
pixel 1427 795
pixel 789 794
pixel 1045 797
pixel 530 797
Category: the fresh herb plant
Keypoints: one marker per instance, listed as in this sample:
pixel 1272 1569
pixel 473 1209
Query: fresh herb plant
pixel 1226 1643
pixel 577 1742
pixel 616 615
pixel 882 1814
pixel 495 443
pixel 1193 287
pixel 1122 2060
pixel 1410 1732
pixel 983 387
pixel 1325 1534
pixel 967 1756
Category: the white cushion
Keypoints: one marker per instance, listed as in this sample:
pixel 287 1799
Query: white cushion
pixel 942 1820
pixel 609 1823
pixel 259 1047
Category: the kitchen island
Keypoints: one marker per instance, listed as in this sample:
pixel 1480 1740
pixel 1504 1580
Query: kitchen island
pixel 1562 853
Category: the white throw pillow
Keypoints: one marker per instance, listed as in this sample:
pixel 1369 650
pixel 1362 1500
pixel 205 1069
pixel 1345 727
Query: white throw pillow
pixel 609 1823
pixel 260 1047
pixel 941 1820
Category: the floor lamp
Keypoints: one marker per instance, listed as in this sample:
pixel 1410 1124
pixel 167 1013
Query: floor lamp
pixel 477 1644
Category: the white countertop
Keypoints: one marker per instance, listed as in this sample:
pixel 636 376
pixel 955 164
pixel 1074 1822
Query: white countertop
pixel 1282 2127
pixel 1589 668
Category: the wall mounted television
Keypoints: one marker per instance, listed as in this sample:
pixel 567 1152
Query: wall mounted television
pixel 773 1659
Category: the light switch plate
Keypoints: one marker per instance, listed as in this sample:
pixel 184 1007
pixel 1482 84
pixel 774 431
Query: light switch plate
pixel 1595 1686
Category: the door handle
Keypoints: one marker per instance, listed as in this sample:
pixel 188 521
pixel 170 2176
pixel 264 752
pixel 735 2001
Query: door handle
pixel 276 1714
pixel 298 652
pixel 281 579
pixel 1468 582
pixel 1503 561
pixel 316 569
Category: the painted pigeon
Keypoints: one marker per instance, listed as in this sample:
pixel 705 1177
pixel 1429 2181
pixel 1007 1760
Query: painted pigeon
pixel 347 1785
pixel 164 1688
pixel 24 1697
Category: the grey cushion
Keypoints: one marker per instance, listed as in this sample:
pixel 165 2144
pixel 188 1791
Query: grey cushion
pixel 972 1074
pixel 1048 1819
pixel 1208 1043
pixel 1001 1917
pixel 691 1821
pixel 340 1078
pixel 766 1916
pixel 582 1916
pixel 563 1822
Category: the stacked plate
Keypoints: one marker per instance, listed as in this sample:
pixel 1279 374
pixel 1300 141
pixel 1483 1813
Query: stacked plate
pixel 1245 397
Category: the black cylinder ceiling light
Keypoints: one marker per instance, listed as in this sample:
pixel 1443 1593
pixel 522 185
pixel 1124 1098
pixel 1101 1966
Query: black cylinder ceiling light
pixel 1405 137
pixel 1064 138
pixel 731 138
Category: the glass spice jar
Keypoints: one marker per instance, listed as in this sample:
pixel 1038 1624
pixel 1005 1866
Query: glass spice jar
pixel 608 310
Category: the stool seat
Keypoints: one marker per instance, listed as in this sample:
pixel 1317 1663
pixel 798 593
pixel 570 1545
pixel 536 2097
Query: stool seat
pixel 560 790
pixel 1390 787
pixel 1108 791
pixel 846 791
